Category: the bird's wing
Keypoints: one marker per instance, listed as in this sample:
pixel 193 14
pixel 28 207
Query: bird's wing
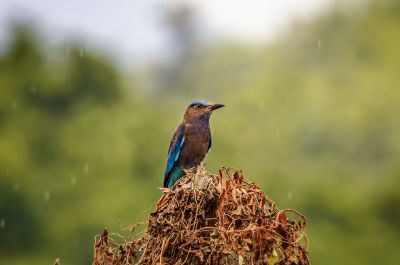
pixel 175 148
pixel 173 140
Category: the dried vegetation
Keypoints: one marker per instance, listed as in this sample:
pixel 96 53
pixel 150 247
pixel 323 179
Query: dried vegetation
pixel 211 219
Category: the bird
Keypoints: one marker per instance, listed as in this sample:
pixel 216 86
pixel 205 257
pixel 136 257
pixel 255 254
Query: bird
pixel 191 141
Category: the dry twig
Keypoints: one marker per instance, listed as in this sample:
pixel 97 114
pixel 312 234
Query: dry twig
pixel 211 219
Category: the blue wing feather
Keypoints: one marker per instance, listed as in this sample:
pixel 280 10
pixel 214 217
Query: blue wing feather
pixel 173 155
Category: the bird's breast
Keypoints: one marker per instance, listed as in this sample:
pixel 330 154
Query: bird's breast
pixel 197 139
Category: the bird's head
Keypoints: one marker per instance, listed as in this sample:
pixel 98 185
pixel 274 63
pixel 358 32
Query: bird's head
pixel 200 109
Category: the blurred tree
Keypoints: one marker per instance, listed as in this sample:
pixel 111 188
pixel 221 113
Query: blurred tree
pixel 312 118
pixel 180 20
pixel 21 230
pixel 39 98
pixel 92 78
pixel 20 68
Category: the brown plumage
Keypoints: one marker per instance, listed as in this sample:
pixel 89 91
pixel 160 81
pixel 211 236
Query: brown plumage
pixel 190 142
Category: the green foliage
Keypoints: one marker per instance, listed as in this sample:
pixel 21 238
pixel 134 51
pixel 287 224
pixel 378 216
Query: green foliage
pixel 311 118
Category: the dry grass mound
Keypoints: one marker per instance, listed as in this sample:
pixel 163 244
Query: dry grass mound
pixel 211 219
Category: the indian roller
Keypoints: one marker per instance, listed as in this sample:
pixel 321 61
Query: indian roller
pixel 191 141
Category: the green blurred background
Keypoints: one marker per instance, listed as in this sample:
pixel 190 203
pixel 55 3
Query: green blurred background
pixel 312 117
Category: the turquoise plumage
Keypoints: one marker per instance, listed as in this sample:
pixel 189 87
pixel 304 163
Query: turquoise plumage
pixel 190 142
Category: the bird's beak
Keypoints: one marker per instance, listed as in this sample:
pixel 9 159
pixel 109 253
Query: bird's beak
pixel 216 106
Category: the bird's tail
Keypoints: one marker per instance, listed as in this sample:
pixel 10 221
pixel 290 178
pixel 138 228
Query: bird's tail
pixel 175 174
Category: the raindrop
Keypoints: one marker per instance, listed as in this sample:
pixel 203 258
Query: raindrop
pixel 73 181
pixel 46 196
pixel 32 89
pixel 14 104
pixel 16 186
pixel 319 43
pixel 81 52
pixel 86 169
pixel 261 105
pixel 278 133
pixel 2 222
pixel 289 195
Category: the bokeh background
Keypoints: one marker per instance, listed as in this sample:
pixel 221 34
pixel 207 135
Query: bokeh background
pixel 90 94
